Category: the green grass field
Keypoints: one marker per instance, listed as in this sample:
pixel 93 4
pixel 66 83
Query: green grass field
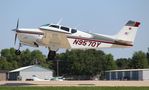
pixel 72 88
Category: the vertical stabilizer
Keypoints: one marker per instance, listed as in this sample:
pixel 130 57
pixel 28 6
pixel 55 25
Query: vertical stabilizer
pixel 128 32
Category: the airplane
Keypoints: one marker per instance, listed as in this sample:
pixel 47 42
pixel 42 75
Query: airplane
pixel 54 37
pixel 60 78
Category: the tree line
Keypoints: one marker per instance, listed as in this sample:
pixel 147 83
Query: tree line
pixel 74 62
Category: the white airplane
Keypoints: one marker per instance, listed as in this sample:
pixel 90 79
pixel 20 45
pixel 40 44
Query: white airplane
pixel 54 37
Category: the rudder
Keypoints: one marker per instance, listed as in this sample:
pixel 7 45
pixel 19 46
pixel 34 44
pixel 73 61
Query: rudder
pixel 128 32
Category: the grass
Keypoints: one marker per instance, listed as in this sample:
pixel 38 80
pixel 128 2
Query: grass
pixel 71 88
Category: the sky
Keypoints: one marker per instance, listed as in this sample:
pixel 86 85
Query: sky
pixel 99 16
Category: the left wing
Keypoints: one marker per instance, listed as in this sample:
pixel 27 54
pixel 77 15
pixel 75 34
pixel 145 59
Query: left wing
pixel 55 40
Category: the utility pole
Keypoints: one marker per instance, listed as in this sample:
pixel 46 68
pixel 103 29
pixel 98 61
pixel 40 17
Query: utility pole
pixel 57 67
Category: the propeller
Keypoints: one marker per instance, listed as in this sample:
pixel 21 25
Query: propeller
pixel 16 31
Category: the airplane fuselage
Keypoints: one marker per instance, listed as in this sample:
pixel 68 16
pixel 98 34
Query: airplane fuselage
pixel 78 40
pixel 56 36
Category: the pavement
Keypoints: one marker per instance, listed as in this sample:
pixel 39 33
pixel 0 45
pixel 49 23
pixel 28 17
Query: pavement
pixel 76 83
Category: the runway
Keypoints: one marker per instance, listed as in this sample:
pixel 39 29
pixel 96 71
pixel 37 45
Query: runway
pixel 76 83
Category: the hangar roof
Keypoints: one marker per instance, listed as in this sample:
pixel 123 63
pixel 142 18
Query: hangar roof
pixel 27 67
pixel 128 70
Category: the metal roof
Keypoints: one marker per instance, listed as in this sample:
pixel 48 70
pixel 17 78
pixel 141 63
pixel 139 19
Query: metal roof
pixel 147 69
pixel 26 67
pixel 20 69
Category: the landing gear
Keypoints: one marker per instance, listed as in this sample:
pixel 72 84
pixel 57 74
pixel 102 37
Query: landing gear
pixel 18 52
pixel 51 55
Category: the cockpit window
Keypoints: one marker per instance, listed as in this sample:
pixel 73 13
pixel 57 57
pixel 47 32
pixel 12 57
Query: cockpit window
pixel 55 26
pixel 65 28
pixel 73 30
pixel 46 25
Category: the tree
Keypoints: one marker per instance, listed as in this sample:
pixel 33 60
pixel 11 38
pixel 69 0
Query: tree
pixel 139 60
pixel 85 62
pixel 123 63
pixel 9 61
pixel 38 58
pixel 109 62
pixel 9 54
pixel 26 58
pixel 147 55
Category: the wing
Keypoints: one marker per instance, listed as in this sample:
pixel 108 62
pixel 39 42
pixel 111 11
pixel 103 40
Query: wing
pixel 55 40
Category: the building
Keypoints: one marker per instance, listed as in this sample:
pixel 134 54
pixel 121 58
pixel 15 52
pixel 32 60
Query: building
pixel 127 74
pixel 3 75
pixel 27 73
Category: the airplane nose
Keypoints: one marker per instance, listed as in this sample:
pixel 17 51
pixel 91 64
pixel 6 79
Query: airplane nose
pixel 16 26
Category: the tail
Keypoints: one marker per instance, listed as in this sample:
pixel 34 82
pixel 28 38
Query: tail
pixel 128 33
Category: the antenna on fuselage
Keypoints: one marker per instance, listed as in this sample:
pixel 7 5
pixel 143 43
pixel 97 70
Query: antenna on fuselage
pixel 59 21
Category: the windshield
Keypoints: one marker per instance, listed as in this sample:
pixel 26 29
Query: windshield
pixel 46 25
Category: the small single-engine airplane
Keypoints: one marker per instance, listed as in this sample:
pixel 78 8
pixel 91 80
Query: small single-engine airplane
pixel 53 37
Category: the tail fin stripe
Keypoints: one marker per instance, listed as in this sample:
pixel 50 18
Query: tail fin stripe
pixel 137 24
pixel 132 23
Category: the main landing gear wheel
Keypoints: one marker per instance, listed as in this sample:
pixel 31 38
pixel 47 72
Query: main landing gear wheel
pixel 51 55
pixel 17 52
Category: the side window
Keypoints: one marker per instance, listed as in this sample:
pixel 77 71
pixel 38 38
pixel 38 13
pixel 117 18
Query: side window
pixel 65 28
pixel 55 26
pixel 73 30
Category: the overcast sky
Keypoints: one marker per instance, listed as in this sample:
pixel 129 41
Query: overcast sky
pixel 99 16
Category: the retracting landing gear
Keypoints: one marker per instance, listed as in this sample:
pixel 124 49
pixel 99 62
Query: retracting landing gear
pixel 51 55
pixel 18 52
